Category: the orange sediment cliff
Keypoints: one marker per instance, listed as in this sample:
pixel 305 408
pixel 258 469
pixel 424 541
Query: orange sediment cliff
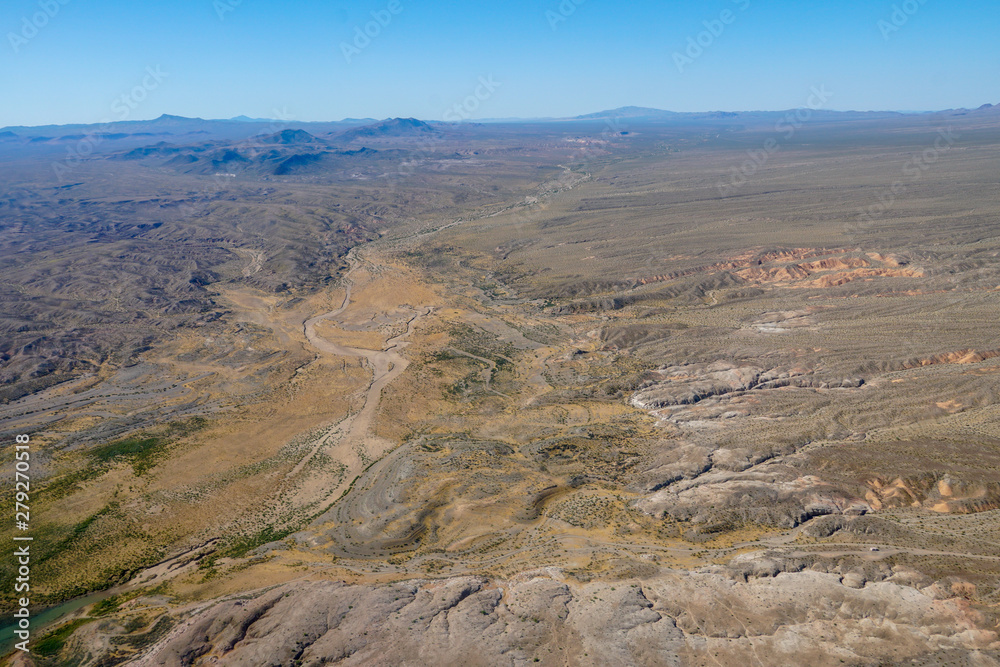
pixel 786 268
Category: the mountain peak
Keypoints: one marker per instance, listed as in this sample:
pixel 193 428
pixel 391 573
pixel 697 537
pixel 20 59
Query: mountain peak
pixel 390 127
pixel 629 112
pixel 290 137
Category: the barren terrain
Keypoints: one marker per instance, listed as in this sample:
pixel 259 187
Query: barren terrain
pixel 514 394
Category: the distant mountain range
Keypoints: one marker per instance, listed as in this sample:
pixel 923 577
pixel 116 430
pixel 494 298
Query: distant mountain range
pixel 167 126
pixel 282 153
pixel 641 112
pixel 647 114
pixel 171 127
pixel 366 128
pixel 352 146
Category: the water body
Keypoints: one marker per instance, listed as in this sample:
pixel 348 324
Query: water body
pixel 42 618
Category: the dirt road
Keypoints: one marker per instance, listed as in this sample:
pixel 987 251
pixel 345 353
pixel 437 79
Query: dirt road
pixel 344 441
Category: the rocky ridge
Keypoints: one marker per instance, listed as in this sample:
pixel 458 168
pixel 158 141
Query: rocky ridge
pixel 776 609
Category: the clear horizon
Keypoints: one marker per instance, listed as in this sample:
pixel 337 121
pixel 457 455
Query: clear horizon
pixel 508 118
pixel 70 62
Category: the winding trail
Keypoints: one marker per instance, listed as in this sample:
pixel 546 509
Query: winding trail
pixel 373 469
pixel 386 365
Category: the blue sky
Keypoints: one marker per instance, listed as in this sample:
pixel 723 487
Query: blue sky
pixel 65 61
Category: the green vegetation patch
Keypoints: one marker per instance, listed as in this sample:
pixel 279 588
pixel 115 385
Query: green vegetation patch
pixel 481 343
pixel 112 604
pixel 144 450
pixel 65 485
pixel 140 452
pixel 51 547
pixel 241 545
pixel 51 644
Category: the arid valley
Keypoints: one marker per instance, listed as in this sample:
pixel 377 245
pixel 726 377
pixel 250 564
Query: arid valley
pixel 624 389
